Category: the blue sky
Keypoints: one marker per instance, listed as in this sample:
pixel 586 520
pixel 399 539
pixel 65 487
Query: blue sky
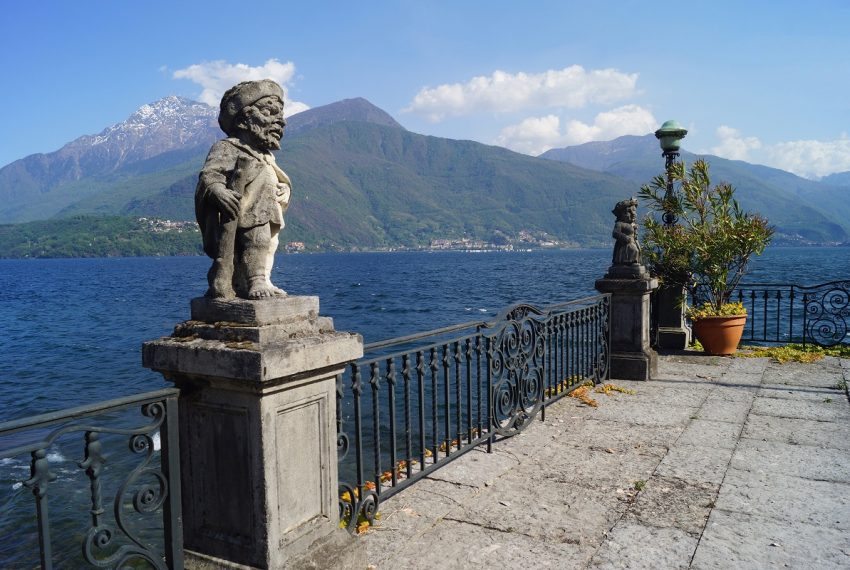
pixel 767 82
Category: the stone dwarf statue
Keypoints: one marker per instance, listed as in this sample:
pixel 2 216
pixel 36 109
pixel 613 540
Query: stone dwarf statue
pixel 627 259
pixel 242 194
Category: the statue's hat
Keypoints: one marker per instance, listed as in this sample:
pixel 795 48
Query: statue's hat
pixel 243 94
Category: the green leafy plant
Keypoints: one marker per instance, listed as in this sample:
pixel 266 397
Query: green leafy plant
pixel 708 250
pixel 709 310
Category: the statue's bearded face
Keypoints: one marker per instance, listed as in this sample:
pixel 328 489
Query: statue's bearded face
pixel 262 123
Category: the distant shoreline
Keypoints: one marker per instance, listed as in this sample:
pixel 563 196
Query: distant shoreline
pixel 358 251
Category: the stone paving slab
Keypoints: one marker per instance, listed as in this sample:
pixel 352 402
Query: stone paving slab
pixel 545 508
pixel 796 460
pixel 743 366
pixel 540 435
pixel 734 392
pixel 615 467
pixel 645 414
pixel 830 408
pixel 748 380
pixel 800 393
pixel 454 545
pixel 477 470
pixel 669 502
pixel 826 373
pixel 736 540
pixel 636 546
pixel 692 367
pixel 787 499
pixel 798 432
pixel 720 463
pixel 412 513
pixel 603 434
pixel 669 393
pixel 696 464
pixel 722 409
pixel 710 434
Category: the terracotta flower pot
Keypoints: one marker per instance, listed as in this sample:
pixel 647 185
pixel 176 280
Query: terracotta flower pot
pixel 720 335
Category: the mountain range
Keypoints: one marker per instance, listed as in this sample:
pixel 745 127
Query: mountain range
pixel 363 180
pixel 802 210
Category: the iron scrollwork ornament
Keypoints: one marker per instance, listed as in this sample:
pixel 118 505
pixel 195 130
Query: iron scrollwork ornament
pixel 827 311
pixel 603 347
pixel 148 497
pixel 356 506
pixel 517 351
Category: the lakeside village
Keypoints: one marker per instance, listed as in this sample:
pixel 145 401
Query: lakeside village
pixel 524 240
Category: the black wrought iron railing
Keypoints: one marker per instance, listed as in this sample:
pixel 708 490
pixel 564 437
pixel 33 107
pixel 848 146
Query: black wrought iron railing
pixel 415 403
pixel 104 482
pixel 780 313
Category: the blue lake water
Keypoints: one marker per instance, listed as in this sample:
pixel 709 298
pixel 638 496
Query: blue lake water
pixel 72 329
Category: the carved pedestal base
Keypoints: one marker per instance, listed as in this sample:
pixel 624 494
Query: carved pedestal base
pixel 258 433
pixel 631 356
pixel 634 366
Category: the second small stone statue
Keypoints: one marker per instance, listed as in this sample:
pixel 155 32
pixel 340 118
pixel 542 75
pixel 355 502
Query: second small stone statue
pixel 626 261
pixel 242 194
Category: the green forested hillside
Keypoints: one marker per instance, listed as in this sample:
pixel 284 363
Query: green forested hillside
pixel 93 236
pixel 371 185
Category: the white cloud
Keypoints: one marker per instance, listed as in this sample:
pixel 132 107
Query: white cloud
pixel 734 146
pixel 807 158
pixel 538 134
pixel 216 77
pixel 533 135
pixel 812 159
pixel 572 87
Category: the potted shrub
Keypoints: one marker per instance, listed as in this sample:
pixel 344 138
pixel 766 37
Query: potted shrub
pixel 706 252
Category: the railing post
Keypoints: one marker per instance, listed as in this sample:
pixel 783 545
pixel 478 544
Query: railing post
pixel 805 317
pixel 171 466
pixel 258 433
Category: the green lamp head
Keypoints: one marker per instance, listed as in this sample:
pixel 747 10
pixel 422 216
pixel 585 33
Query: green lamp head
pixel 670 136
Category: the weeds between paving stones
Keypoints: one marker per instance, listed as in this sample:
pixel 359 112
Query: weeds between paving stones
pixel 795 353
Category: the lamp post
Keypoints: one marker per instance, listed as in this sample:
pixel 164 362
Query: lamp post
pixel 672 330
pixel 670 137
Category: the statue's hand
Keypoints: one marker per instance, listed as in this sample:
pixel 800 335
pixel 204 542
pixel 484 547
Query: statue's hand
pixel 284 191
pixel 225 200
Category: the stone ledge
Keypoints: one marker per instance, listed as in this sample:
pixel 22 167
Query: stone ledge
pixel 637 286
pixel 263 335
pixel 276 310
pixel 630 271
pixel 248 361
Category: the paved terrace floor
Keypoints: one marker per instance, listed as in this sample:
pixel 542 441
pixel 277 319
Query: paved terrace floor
pixel 719 463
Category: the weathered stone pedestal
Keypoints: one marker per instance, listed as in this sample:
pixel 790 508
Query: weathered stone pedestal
pixel 631 355
pixel 673 332
pixel 258 433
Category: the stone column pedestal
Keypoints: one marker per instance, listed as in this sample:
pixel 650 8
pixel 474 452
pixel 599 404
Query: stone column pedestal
pixel 673 332
pixel 258 433
pixel 631 355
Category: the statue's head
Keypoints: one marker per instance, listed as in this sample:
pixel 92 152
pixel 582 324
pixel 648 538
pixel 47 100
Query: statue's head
pixel 252 111
pixel 626 210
